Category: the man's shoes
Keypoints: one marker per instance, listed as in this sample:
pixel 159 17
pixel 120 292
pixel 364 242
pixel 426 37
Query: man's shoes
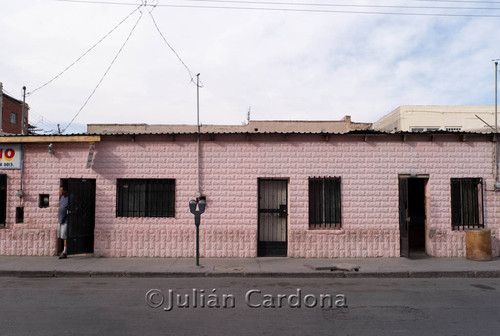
pixel 63 256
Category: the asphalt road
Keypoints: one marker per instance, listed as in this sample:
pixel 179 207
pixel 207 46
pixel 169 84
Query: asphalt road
pixel 109 306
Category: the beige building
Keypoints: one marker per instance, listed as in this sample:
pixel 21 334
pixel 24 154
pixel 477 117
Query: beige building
pixel 254 126
pixel 416 118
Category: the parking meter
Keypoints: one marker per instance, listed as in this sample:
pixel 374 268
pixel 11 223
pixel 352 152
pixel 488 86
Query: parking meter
pixel 201 205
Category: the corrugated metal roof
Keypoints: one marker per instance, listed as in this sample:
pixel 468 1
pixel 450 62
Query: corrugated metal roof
pixel 352 132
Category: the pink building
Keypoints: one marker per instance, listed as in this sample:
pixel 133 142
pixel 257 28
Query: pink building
pixel 326 195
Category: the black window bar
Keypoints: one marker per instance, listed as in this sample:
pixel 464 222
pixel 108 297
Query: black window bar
pixel 467 203
pixel 324 202
pixel 145 198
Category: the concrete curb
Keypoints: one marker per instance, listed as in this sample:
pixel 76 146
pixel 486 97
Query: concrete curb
pixel 377 275
pixel 180 274
pixel 71 274
pixel 487 274
pixel 443 274
pixel 27 274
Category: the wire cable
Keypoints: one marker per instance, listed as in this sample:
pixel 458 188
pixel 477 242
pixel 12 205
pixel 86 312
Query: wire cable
pixel 85 53
pixel 106 72
pixel 316 10
pixel 38 120
pixel 344 5
pixel 462 1
pixel 102 2
pixel 190 73
pixel 35 113
pixel 7 92
pixel 336 11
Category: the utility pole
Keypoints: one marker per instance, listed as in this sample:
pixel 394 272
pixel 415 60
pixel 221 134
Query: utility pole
pixel 197 206
pixel 496 95
pixel 496 156
pixel 198 192
pixel 24 108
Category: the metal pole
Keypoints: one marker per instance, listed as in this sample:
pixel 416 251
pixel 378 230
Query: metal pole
pixel 496 94
pixel 22 170
pixel 496 126
pixel 24 104
pixel 198 193
pixel 197 245
pixel 198 102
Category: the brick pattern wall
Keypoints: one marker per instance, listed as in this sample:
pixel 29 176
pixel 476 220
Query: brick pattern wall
pixel 11 106
pixel 230 171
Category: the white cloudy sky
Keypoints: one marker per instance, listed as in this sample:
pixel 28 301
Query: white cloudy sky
pixel 284 64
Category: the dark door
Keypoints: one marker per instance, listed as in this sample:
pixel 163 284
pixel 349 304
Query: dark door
pixel 404 219
pixel 417 214
pixel 412 215
pixel 273 215
pixel 81 216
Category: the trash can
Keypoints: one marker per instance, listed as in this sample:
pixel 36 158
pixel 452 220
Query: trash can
pixel 478 244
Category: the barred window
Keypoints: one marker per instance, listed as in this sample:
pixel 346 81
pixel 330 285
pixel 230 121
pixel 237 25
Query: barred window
pixel 467 203
pixel 324 202
pixel 145 198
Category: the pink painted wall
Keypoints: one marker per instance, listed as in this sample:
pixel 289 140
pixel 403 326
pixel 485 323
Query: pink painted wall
pixel 231 166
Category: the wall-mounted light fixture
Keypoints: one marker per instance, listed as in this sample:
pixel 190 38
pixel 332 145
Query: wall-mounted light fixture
pixel 51 149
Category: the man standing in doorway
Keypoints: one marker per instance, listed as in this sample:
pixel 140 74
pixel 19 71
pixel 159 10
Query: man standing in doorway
pixel 62 228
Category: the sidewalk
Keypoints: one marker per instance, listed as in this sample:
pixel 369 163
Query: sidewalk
pixel 89 266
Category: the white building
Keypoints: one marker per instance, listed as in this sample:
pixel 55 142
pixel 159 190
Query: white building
pixel 414 118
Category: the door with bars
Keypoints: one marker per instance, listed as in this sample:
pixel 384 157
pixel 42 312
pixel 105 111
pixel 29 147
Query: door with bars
pixel 273 218
pixel 81 215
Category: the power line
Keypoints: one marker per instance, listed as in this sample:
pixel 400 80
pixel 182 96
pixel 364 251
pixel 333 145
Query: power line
pixel 462 1
pixel 344 5
pixel 85 53
pixel 40 118
pixel 308 4
pixel 320 10
pixel 102 2
pixel 106 72
pixel 7 92
pixel 191 74
pixel 42 122
pixel 335 11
